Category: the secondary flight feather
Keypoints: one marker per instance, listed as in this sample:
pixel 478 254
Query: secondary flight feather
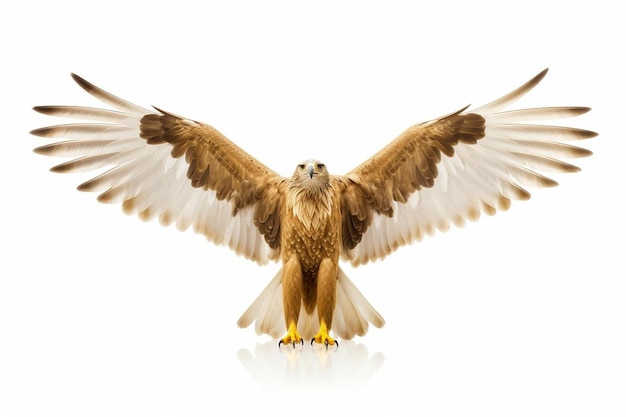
pixel 433 175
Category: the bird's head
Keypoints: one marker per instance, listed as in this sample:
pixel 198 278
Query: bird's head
pixel 309 192
pixel 311 172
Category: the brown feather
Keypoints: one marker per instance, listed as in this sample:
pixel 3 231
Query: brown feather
pixel 215 163
pixel 407 164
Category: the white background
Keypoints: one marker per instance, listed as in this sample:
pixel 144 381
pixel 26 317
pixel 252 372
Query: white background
pixel 521 314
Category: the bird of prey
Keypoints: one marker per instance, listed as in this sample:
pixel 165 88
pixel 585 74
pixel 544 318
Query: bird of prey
pixel 434 174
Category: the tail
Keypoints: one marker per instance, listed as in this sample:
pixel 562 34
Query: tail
pixel 352 316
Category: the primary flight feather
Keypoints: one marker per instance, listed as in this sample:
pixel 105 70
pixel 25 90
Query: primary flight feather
pixel 434 174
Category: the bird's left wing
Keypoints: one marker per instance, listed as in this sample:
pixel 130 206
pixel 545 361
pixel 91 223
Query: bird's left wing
pixel 161 165
pixel 451 169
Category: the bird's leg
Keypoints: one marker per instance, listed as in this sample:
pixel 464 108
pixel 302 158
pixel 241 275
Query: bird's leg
pixel 326 300
pixel 292 300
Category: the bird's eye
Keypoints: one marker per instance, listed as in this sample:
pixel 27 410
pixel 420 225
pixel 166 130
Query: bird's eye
pixel 321 166
pixel 301 166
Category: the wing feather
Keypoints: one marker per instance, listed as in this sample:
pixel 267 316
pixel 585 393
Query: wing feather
pixel 87 113
pixel 159 165
pixel 450 170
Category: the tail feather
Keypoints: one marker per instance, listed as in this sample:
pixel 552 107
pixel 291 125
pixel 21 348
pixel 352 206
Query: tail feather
pixel 267 310
pixel 353 312
pixel 352 315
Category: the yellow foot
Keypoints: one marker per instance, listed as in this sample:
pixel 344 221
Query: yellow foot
pixel 322 337
pixel 292 337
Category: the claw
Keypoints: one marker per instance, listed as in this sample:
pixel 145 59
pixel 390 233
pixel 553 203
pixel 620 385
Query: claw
pixel 323 337
pixel 293 343
pixel 292 337
pixel 328 344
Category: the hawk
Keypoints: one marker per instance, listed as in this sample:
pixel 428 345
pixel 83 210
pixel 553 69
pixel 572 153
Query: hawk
pixel 434 174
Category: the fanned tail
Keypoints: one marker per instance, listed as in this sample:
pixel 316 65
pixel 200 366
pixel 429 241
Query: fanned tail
pixel 352 316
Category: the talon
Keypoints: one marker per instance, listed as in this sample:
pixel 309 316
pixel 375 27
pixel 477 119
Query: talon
pixel 326 343
pixel 322 337
pixel 292 337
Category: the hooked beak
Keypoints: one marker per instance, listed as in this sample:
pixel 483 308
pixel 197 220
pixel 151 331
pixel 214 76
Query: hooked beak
pixel 310 169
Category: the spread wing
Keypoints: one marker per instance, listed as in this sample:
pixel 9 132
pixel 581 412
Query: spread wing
pixel 161 165
pixel 451 170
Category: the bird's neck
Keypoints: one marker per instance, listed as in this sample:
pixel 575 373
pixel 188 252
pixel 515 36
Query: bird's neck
pixel 312 206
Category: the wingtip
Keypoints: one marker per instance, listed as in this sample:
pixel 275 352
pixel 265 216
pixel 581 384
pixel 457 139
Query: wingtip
pixel 47 110
pixel 535 80
pixel 513 96
pixel 41 132
pixel 84 84
pixel 582 110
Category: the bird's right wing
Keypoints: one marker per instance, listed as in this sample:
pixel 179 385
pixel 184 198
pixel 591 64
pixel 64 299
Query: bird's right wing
pixel 161 165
